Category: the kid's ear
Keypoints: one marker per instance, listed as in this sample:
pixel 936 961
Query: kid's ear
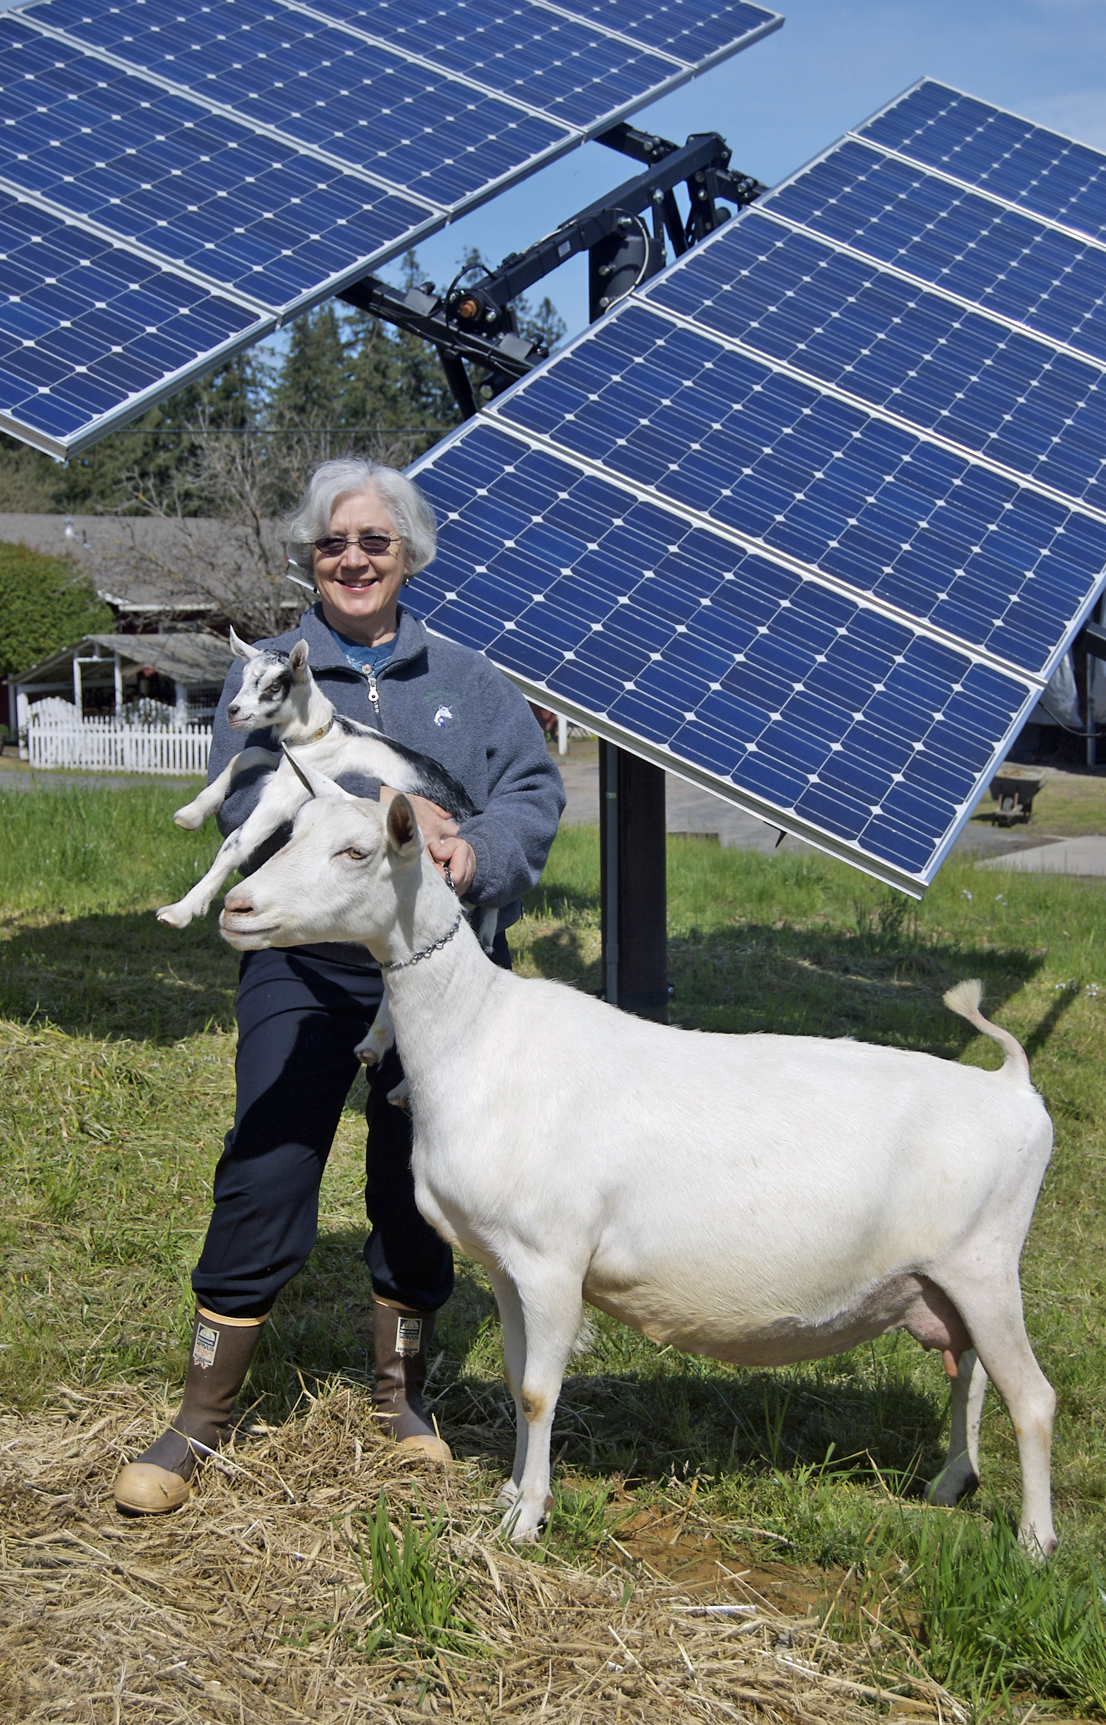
pixel 242 649
pixel 297 659
pixel 402 831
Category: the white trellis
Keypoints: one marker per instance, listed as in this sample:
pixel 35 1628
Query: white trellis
pixel 57 738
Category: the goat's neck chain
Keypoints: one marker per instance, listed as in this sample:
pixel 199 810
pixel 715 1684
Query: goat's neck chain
pixel 424 952
pixel 436 946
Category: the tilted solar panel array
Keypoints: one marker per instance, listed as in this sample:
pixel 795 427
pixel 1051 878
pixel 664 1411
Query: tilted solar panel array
pixel 177 180
pixel 811 517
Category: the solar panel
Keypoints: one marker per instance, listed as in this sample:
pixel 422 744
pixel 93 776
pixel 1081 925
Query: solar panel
pixel 268 153
pixel 950 237
pixel 810 517
pixel 1051 175
pixel 889 342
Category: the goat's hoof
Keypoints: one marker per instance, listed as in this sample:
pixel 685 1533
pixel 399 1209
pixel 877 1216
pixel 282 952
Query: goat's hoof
pixel 508 1494
pixel 522 1524
pixel 951 1488
pixel 369 1053
pixel 190 818
pixel 173 916
pixel 400 1097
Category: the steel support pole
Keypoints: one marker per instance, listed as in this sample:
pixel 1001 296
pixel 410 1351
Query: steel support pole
pixel 634 886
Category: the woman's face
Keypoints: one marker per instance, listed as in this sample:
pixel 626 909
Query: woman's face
pixel 359 589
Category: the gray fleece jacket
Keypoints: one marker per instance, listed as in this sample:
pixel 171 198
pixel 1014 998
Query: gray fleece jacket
pixel 453 705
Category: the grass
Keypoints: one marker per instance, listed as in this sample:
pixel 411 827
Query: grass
pixel 117 1047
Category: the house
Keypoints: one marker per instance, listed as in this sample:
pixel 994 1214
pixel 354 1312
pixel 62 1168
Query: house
pixel 182 670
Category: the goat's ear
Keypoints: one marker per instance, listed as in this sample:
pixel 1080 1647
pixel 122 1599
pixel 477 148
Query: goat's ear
pixel 315 782
pixel 402 830
pixel 242 649
pixel 297 659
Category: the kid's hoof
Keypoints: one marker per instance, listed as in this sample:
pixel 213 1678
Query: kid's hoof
pixel 368 1052
pixel 174 916
pixel 189 819
pixel 143 1489
pixel 400 1097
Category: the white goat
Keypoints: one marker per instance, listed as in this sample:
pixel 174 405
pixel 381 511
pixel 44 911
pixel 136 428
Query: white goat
pixel 278 692
pixel 761 1199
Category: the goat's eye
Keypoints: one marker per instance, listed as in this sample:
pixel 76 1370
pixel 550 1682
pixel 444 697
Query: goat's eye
pixel 355 854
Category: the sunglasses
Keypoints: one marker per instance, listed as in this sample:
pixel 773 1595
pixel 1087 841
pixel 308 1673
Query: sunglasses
pixel 372 544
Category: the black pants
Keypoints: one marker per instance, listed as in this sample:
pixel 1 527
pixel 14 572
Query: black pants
pixel 300 1015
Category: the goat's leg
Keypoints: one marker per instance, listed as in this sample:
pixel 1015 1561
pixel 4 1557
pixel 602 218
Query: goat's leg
pixel 991 1307
pixel 551 1308
pixel 960 1475
pixel 514 1368
pixel 279 802
pixel 371 1050
pixel 213 796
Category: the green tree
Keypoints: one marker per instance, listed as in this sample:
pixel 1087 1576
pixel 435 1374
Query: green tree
pixel 310 386
pixel 117 472
pixel 45 604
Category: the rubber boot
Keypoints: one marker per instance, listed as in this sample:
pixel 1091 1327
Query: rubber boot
pixel 402 1340
pixel 160 1479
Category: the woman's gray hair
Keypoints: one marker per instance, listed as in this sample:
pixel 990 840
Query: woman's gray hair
pixel 409 509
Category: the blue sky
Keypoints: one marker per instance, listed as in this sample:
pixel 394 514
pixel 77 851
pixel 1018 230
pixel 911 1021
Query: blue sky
pixel 783 100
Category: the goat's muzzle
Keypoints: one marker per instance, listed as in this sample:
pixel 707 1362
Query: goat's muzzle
pixel 238 922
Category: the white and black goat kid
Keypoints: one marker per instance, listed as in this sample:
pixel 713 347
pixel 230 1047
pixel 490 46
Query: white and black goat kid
pixel 279 693
pixel 760 1199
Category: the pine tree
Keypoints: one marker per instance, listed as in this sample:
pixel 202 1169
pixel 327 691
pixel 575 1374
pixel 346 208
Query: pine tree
pixel 311 383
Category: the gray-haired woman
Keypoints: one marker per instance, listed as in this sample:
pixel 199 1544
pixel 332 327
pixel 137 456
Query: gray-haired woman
pixel 363 531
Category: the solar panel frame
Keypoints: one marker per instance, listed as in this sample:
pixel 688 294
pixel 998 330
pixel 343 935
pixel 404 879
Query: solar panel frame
pixel 430 215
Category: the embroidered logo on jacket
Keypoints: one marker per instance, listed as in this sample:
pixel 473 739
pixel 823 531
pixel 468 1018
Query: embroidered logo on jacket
pixel 444 708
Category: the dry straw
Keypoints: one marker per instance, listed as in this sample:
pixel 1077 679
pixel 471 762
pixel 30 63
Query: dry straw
pixel 258 1604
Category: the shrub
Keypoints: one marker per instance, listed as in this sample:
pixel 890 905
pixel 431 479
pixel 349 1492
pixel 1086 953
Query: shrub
pixel 45 604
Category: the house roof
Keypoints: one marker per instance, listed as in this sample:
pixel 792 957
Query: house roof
pixel 192 658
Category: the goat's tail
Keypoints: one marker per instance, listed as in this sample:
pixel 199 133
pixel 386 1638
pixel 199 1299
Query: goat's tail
pixel 965 999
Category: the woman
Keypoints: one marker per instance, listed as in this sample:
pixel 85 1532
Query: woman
pixel 364 531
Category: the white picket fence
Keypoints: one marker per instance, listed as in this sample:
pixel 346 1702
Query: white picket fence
pixel 103 746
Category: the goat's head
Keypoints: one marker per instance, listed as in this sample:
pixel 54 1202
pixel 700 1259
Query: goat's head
pixel 274 685
pixel 349 872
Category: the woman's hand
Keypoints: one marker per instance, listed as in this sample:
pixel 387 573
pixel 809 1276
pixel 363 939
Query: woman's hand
pixel 443 842
pixel 460 856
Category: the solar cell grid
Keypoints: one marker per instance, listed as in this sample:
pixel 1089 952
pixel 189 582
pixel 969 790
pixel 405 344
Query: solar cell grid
pixel 1049 174
pixel 693 29
pixel 568 69
pixel 943 367
pixel 842 720
pixel 1011 264
pixel 426 133
pixel 819 480
pixel 83 325
pixel 202 190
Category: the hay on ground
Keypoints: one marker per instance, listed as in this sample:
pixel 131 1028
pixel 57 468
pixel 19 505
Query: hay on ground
pixel 256 1603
